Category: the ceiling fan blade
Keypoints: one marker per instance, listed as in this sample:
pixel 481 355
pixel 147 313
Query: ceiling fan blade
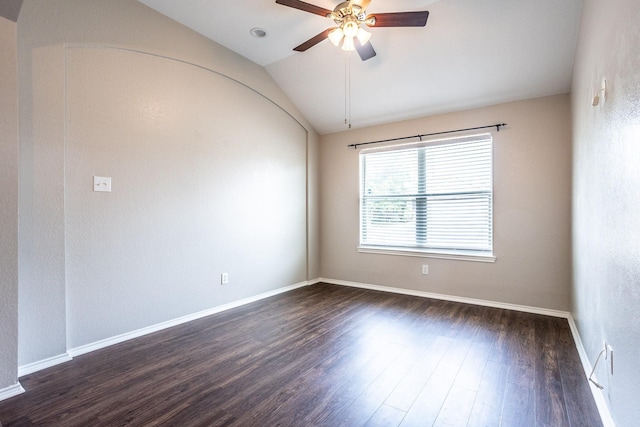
pixel 365 51
pixel 313 40
pixel 398 19
pixel 306 7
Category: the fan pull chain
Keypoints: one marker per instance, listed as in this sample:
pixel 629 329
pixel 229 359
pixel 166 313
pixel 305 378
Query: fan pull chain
pixel 347 90
pixel 350 90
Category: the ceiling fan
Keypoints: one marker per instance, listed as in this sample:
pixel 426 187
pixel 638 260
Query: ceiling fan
pixel 349 17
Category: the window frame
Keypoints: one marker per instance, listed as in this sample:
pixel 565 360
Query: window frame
pixel 426 251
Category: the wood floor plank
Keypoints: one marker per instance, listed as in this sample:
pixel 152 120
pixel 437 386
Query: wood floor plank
pixel 404 395
pixel 472 368
pixel 456 408
pixel 368 403
pixel 487 407
pixel 343 394
pixel 427 405
pixel 386 416
pixel 576 394
pixel 549 393
pixel 323 355
pixel 519 407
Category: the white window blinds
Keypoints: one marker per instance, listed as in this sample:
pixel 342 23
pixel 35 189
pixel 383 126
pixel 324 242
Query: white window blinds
pixel 434 196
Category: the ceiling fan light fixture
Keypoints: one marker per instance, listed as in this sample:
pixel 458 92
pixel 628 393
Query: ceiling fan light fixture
pixel 336 36
pixel 350 29
pixel 363 36
pixel 348 44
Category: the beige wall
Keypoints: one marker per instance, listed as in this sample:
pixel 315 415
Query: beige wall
pixel 606 198
pixel 8 204
pixel 207 178
pixel 225 137
pixel 532 202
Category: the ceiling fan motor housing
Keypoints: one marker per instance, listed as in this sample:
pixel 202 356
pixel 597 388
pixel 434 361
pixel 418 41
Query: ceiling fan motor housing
pixel 343 13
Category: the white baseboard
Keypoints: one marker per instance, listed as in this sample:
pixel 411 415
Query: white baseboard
pixel 473 301
pixel 598 396
pixel 11 391
pixel 87 348
pixel 43 364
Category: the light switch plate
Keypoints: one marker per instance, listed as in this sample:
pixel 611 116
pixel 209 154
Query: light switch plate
pixel 102 183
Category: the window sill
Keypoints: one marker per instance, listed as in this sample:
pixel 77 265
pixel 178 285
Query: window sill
pixel 454 255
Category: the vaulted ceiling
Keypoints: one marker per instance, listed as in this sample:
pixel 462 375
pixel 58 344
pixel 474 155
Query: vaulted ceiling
pixel 471 53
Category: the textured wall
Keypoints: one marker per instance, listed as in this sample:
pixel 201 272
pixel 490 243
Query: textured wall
pixel 59 248
pixel 532 202
pixel 8 204
pixel 606 197
pixel 207 178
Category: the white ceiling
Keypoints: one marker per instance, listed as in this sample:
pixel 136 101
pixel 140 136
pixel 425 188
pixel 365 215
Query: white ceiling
pixel 472 53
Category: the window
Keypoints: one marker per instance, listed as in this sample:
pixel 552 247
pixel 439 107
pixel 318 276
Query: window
pixel 431 197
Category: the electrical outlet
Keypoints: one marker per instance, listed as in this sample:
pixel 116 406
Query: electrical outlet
pixel 425 269
pixel 224 278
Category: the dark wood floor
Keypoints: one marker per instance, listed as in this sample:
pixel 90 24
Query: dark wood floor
pixel 324 355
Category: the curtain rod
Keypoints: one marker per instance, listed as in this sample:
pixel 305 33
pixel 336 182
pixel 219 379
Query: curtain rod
pixel 497 126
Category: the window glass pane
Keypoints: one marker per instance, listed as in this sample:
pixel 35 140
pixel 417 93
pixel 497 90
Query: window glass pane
pixel 458 167
pixel 459 222
pixel 436 196
pixel 389 221
pixel 391 173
